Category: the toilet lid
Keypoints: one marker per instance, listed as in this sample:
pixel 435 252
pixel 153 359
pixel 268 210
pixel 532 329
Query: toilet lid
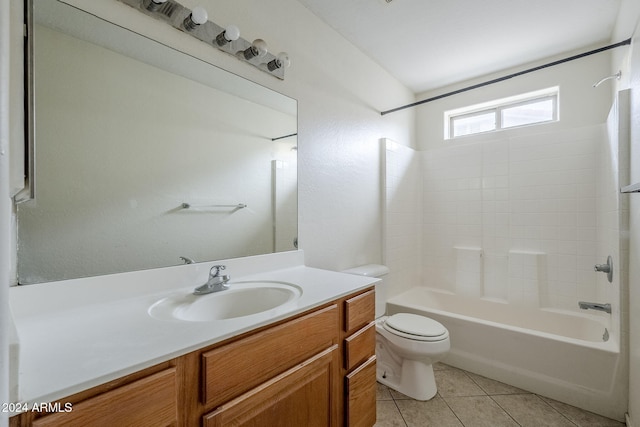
pixel 414 324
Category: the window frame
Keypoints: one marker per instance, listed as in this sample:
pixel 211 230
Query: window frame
pixel 498 106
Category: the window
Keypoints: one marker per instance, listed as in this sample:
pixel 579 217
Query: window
pixel 522 110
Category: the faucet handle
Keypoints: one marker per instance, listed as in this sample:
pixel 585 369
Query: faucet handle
pixel 606 268
pixel 218 268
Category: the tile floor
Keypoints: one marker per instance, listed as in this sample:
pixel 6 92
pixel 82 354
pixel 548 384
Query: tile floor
pixel 469 400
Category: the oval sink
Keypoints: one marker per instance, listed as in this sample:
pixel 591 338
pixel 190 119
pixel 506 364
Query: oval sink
pixel 240 300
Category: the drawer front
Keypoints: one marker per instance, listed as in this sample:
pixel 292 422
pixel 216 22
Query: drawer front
pixel 360 346
pixel 361 395
pixel 235 368
pixel 151 401
pixel 359 311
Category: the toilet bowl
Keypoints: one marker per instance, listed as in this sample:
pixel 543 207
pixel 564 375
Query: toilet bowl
pixel 407 345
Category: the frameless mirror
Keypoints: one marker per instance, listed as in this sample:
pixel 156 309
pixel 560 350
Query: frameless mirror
pixel 144 154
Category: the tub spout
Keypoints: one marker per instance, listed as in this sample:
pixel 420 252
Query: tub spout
pixel 595 306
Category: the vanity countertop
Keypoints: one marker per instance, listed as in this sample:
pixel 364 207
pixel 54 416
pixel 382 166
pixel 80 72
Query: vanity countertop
pixel 77 334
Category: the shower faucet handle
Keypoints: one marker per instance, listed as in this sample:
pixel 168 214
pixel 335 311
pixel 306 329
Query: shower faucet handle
pixel 606 268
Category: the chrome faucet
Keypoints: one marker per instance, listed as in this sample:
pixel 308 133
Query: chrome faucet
pixel 216 283
pixel 595 306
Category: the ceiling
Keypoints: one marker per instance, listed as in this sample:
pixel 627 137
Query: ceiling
pixel 429 44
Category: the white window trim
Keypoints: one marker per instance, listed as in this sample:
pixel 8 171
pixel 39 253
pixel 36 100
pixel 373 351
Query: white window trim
pixel 497 106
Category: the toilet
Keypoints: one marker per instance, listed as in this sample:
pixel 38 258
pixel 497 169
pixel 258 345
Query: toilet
pixel 407 345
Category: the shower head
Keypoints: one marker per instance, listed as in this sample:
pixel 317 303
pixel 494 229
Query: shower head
pixel 615 76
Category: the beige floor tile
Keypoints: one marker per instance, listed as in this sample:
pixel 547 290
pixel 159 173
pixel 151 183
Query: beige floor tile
pixel 479 411
pixel 432 413
pixel 455 382
pixel 388 415
pixel 469 400
pixel 439 366
pixel 530 410
pixel 492 387
pixel 382 392
pixel 398 396
pixel 581 417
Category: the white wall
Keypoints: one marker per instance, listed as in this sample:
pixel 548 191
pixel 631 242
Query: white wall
pixel 579 105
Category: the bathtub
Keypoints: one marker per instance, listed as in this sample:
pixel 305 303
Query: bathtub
pixel 569 357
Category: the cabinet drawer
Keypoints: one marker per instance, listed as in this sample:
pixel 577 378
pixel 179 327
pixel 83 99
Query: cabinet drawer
pixel 150 401
pixel 235 368
pixel 359 311
pixel 301 396
pixel 361 395
pixel 360 346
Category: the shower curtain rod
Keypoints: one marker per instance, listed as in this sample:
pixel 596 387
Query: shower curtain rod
pixel 509 76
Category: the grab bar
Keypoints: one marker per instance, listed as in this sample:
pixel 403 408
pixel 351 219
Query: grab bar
pixel 190 206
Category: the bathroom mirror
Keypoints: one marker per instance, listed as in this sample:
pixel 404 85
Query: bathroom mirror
pixel 144 154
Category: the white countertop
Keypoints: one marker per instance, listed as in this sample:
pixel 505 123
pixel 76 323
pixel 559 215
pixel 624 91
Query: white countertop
pixel 76 334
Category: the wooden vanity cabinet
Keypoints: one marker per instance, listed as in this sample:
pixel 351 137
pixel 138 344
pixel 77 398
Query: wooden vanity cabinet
pixel 146 398
pixel 360 360
pixel 314 370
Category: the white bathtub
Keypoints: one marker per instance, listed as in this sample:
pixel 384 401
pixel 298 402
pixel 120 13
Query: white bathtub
pixel 561 355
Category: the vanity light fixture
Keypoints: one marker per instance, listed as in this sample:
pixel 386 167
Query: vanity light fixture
pixel 231 33
pixel 197 17
pixel 281 61
pixel 154 5
pixel 258 49
pixel 195 22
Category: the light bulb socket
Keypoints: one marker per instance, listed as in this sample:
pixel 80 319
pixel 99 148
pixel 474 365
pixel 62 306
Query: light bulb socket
pixel 221 40
pixel 280 61
pixel 258 48
pixel 188 24
pixel 154 5
pixel 231 33
pixel 250 52
pixel 192 21
pixel 274 64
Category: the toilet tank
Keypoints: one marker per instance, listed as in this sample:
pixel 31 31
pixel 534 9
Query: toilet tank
pixel 378 271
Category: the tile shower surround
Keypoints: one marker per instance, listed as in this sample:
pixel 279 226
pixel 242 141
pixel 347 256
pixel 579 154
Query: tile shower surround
pixel 527 205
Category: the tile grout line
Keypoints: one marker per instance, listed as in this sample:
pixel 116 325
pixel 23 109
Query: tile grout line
pixel 451 409
pixel 399 410
pixel 505 411
pixel 561 414
pixel 492 399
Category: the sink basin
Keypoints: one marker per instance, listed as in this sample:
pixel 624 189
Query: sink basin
pixel 240 300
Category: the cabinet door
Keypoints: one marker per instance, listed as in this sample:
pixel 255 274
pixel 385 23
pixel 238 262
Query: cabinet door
pixel 361 395
pixel 301 396
pixel 150 401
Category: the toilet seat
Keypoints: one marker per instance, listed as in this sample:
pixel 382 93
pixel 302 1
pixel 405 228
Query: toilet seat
pixel 415 327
